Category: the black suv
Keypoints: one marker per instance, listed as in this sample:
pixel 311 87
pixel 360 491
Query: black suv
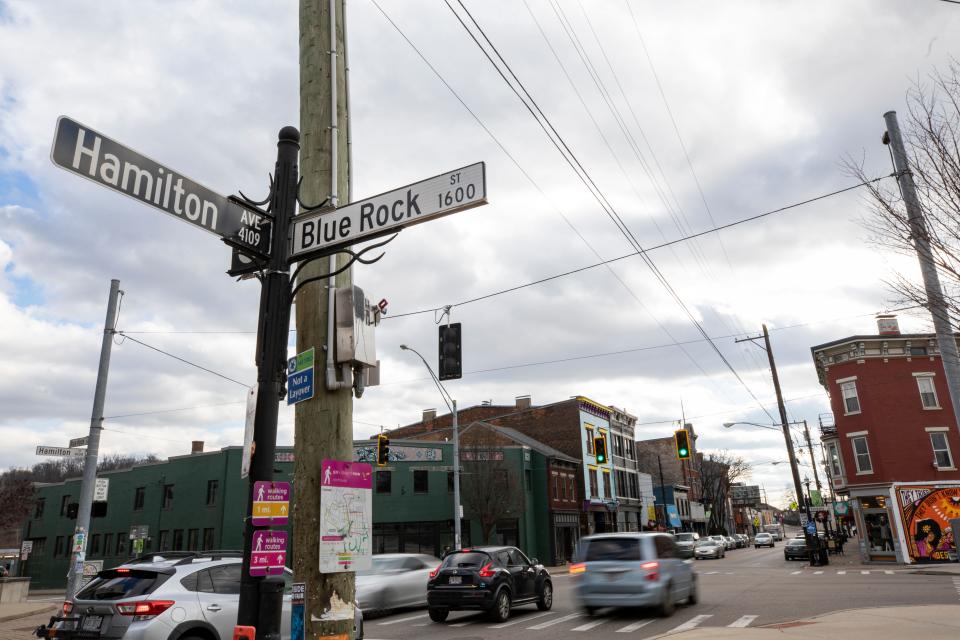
pixel 491 579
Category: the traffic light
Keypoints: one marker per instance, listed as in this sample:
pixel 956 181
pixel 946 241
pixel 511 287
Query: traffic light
pixel 383 449
pixel 600 449
pixel 450 364
pixel 682 439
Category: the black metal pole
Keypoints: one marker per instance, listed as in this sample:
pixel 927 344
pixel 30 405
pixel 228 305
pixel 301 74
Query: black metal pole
pixel 273 332
pixel 663 495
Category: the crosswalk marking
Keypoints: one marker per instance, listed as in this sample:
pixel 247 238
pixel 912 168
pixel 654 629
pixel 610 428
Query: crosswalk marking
pixel 889 573
pixel 519 620
pixel 634 626
pixel 589 625
pixel 422 615
pixel 692 623
pixel 742 621
pixel 866 573
pixel 795 573
pixel 841 573
pixel 818 573
pixel 460 624
pixel 710 573
pixel 549 623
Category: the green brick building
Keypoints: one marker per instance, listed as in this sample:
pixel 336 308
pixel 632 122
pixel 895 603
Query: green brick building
pixel 198 501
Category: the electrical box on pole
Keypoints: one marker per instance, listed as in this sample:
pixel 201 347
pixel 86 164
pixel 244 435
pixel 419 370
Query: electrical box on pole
pixel 451 364
pixel 682 439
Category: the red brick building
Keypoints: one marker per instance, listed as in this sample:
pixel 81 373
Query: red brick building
pixel 892 447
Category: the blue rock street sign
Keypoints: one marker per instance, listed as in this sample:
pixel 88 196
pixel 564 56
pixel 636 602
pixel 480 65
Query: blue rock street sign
pixel 300 377
pixel 811 528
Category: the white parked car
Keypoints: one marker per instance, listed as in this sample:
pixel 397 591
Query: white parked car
pixel 763 539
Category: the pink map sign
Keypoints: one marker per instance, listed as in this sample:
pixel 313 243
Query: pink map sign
pixel 268 555
pixel 345 515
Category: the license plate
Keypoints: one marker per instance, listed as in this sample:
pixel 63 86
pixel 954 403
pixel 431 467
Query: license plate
pixel 455 580
pixel 91 623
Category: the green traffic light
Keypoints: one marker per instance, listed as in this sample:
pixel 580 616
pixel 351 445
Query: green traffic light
pixel 683 452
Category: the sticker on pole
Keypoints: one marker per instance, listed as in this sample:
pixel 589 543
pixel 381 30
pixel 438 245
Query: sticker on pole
pixel 346 516
pixel 268 555
pixel 271 503
pixel 298 599
pixel 300 377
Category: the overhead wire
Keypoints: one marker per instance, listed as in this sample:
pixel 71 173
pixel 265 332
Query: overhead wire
pixel 183 360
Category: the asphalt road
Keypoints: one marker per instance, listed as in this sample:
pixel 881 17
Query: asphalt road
pixel 750 587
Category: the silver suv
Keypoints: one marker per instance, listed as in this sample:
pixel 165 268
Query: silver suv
pixel 164 596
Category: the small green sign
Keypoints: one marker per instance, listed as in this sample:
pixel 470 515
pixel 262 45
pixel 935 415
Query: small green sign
pixel 303 361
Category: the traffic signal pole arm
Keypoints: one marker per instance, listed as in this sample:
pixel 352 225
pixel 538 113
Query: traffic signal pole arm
pixel 447 398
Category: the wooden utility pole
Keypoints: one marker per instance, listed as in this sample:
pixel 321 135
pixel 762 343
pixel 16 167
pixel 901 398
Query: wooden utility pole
pixel 323 425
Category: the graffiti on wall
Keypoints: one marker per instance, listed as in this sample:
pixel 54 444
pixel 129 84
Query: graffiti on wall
pixel 398 454
pixel 927 512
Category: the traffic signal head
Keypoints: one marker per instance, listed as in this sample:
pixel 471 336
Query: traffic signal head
pixel 600 449
pixel 383 450
pixel 450 364
pixel 682 438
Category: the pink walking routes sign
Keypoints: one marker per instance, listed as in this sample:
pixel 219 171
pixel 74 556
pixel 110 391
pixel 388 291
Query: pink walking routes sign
pixel 269 553
pixel 346 522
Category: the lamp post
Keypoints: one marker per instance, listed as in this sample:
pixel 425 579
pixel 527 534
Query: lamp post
pixel 452 405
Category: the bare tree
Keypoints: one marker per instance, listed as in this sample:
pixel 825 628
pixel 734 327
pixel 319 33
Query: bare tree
pixel 16 496
pixel 931 131
pixel 717 472
pixel 491 490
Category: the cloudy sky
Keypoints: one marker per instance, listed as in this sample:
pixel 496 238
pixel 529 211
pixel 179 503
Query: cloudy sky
pixel 767 99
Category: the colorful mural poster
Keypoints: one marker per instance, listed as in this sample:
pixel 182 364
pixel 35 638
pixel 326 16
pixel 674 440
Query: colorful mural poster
pixel 927 512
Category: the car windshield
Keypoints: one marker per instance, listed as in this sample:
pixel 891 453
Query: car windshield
pixel 612 549
pixel 115 584
pixel 466 559
pixel 707 543
pixel 685 537
pixel 382 565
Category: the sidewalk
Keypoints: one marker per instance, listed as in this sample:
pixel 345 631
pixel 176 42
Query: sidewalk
pixel 851 561
pixel 16 610
pixel 894 623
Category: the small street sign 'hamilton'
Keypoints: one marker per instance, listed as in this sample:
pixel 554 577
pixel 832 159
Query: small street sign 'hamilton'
pixel 63 452
pixel 90 154
pixel 391 211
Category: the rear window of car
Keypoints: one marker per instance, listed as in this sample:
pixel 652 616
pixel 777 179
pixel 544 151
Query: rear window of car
pixel 115 584
pixel 685 537
pixel 616 549
pixel 466 559
pixel 796 542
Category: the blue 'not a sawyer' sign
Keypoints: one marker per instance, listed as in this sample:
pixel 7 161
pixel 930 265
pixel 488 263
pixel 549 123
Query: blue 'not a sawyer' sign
pixel 90 154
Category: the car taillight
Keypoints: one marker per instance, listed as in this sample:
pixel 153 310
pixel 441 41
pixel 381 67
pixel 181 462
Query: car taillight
pixel 123 570
pixel 578 567
pixel 487 571
pixel 145 609
pixel 651 569
pixel 433 574
pixel 67 608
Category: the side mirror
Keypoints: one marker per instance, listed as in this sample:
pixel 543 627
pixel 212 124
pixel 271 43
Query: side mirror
pixel 534 561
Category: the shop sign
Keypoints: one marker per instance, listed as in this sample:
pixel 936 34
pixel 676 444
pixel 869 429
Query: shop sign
pixel 927 512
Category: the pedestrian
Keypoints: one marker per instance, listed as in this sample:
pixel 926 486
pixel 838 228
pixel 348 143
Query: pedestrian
pixel 5 571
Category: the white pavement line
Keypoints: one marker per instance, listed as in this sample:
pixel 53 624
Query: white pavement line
pixel 710 573
pixel 795 573
pixel 841 573
pixel 742 621
pixel 889 573
pixel 519 620
pixel 818 573
pixel 422 624
pixel 866 573
pixel 544 625
pixel 589 625
pixel 692 623
pixel 422 615
pixel 461 624
pixel 634 626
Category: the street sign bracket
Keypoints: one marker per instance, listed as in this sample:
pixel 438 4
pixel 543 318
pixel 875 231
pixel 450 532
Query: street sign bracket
pixel 355 256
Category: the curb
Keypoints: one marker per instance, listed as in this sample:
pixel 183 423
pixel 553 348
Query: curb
pixel 27 614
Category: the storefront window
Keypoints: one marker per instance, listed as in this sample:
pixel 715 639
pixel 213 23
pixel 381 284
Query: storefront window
pixel 879 536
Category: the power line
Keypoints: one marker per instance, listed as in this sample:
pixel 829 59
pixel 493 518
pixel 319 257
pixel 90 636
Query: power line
pixel 636 253
pixel 183 360
pixel 159 411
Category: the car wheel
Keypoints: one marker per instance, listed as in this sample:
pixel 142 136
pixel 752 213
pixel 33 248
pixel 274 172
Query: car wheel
pixel 438 615
pixel 667 605
pixel 501 607
pixel 545 601
pixel 694 596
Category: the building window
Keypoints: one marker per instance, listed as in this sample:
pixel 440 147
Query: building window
pixel 208 541
pixel 39 544
pixel 421 481
pixel 38 508
pixel 861 453
pixel 164 544
pixel 449 481
pixel 851 401
pixel 64 503
pixel 593 483
pixel 213 486
pixel 836 469
pixel 528 476
pixel 918 351
pixel 193 540
pixel 928 394
pixel 95 544
pixel 167 497
pixel 383 482
pixel 178 539
pixel 606 486
pixel 107 544
pixel 617 446
pixel 573 490
pixel 138 496
pixel 590 440
pixel 121 544
pixel 941 450
pixel 58 547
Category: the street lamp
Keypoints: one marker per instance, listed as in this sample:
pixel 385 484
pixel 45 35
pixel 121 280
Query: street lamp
pixel 794 470
pixel 452 405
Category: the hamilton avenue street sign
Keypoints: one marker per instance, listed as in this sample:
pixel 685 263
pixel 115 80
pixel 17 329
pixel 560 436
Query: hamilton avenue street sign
pixel 90 154
pixel 391 211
